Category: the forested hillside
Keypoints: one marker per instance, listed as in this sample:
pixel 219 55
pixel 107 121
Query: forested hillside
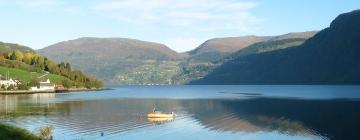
pixel 330 57
pixel 9 47
pixel 196 70
pixel 21 63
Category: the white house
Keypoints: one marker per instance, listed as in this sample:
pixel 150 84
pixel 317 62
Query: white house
pixel 45 85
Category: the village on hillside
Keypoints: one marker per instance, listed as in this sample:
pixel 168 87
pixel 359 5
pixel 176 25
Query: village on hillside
pixel 41 84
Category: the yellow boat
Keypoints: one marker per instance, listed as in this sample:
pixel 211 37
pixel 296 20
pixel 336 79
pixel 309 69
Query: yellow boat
pixel 159 114
pixel 159 120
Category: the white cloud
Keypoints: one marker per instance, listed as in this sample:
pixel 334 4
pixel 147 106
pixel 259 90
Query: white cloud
pixel 196 18
pixel 181 24
pixel 183 13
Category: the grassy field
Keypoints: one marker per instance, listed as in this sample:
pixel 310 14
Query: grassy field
pixel 27 76
pixel 8 132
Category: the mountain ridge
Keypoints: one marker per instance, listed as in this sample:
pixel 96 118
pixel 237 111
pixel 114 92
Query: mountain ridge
pixel 88 44
pixel 123 60
pixel 117 60
pixel 329 57
pixel 233 44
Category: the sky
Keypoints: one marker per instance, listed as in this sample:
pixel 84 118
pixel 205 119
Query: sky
pixel 182 25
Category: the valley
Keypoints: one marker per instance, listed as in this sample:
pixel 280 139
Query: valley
pixel 120 61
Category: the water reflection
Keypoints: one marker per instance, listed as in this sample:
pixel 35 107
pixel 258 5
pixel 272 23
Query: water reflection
pixel 126 117
pixel 160 120
pixel 22 105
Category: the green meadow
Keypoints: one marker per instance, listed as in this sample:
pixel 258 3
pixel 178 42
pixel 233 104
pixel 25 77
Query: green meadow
pixel 27 76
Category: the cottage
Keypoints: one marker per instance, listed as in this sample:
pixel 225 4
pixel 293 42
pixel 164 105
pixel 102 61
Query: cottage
pixel 45 85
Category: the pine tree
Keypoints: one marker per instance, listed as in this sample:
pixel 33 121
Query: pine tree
pixel 68 67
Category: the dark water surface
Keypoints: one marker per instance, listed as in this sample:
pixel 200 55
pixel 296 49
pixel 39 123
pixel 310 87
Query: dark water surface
pixel 203 112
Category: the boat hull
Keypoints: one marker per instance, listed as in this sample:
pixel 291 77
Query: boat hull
pixel 167 119
pixel 154 115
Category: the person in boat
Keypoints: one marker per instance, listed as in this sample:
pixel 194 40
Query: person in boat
pixel 157 113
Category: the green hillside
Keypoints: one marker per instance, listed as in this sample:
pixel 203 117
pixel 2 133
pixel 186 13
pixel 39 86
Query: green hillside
pixel 268 46
pixel 27 76
pixel 26 65
pixel 9 47
pixel 194 70
pixel 330 57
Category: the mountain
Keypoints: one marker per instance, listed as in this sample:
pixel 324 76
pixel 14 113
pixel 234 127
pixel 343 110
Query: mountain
pixel 201 63
pixel 228 44
pixel 194 70
pixel 233 44
pixel 129 61
pixel 266 46
pixel 330 57
pixel 9 47
pixel 118 60
pixel 217 48
pixel 109 48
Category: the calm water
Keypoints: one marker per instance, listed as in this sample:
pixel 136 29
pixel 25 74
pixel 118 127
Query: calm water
pixel 203 112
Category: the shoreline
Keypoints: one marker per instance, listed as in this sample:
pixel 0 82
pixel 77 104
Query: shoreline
pixel 8 131
pixel 81 90
pixel 13 92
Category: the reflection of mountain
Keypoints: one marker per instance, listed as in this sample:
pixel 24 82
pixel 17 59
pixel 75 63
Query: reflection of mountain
pixel 294 117
pixel 89 118
pixel 220 115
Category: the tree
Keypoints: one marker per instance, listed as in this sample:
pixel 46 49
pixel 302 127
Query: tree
pixel 11 87
pixel 41 62
pixel 62 65
pixel 34 82
pixel 51 67
pixel 68 67
pixel 98 84
pixel 2 59
pixel 28 57
pixel 67 83
pixel 22 86
pixel 12 56
pixel 19 55
pixel 89 85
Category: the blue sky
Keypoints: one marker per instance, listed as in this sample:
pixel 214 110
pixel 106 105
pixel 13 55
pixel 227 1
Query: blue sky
pixel 180 24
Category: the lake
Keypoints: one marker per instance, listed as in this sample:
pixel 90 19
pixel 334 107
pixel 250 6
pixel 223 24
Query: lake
pixel 202 112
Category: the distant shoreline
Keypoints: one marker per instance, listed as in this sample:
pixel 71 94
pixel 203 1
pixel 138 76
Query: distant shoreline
pixel 81 90
pixel 12 92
